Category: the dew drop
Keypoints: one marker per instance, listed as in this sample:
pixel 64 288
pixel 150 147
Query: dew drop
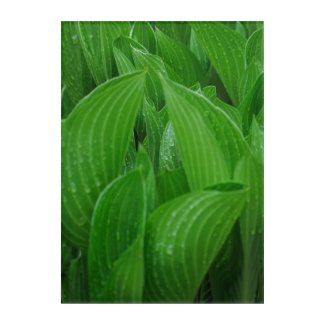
pixel 169 250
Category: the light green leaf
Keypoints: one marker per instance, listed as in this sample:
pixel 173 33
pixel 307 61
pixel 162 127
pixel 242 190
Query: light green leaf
pixel 124 65
pixel 170 184
pixel 255 47
pixel 97 44
pixel 250 173
pixel 226 49
pixel 178 30
pixel 155 129
pixel 169 156
pixel 198 51
pixel 183 236
pixel 95 138
pixel 116 240
pixel 144 34
pixel 249 78
pixel 76 76
pixel 206 136
pixel 180 58
pixel 252 26
pixel 256 141
pixel 155 67
pixel 252 103
pixel 144 164
pixel 232 112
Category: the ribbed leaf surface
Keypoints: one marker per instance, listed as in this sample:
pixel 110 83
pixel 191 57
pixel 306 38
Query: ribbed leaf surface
pixel 95 139
pixel 180 58
pixel 97 44
pixel 226 50
pixel 183 237
pixel 206 137
pixel 75 73
pixel 117 222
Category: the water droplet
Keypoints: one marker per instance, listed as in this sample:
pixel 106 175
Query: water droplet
pixel 169 250
pixel 73 187
pixel 74 39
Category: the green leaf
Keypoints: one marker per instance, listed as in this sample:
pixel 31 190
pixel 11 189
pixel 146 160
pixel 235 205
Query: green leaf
pixel 66 103
pixel 155 129
pixel 252 26
pixel 144 164
pixel 232 112
pixel 126 46
pixel 144 34
pixel 95 138
pixel 97 44
pixel 183 236
pixel 78 280
pixel 260 118
pixel 250 173
pixel 252 103
pixel 170 184
pixel 155 67
pixel 206 136
pixel 75 74
pixel 178 30
pixel 198 51
pixel 255 47
pixel 226 49
pixel 169 156
pixel 180 58
pixel 256 141
pixel 249 78
pixel 124 65
pixel 116 241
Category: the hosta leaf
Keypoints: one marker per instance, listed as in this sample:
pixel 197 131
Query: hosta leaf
pixel 231 111
pixel 198 51
pixel 155 129
pixel 206 136
pixel 118 221
pixel 95 139
pixel 75 74
pixel 155 67
pixel 130 159
pixel 97 44
pixel 124 65
pixel 225 269
pixel 78 280
pixel 66 103
pixel 252 103
pixel 178 30
pixel 170 184
pixel 180 58
pixel 249 78
pixel 256 141
pixel 144 164
pixel 182 238
pixel 260 118
pixel 255 47
pixel 252 26
pixel 251 226
pixel 226 49
pixel 169 156
pixel 144 34
pixel 126 46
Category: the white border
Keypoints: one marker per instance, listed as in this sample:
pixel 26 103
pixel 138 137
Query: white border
pixel 30 160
